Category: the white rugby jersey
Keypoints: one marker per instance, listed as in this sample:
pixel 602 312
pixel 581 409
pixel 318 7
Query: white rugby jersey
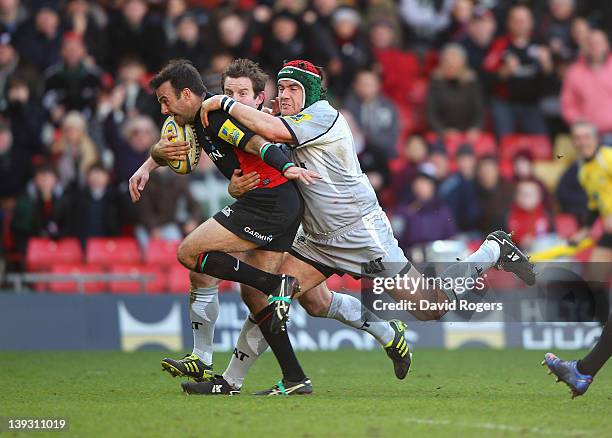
pixel 323 142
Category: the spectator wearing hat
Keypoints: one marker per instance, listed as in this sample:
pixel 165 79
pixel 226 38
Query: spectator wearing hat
pixel 460 191
pixel 529 217
pixel 71 84
pixel 282 41
pixel 454 99
pixel 427 217
pixel 587 88
pixel 495 195
pixel 521 68
pixel 39 39
pixel 375 114
pixel 188 43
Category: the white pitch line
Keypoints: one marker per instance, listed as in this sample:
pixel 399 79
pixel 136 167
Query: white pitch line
pixel 496 427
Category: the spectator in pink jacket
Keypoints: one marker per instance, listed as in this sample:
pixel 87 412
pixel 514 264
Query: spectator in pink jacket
pixel 587 89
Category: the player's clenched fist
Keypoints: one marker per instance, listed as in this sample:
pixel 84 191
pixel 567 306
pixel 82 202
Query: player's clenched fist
pixel 168 148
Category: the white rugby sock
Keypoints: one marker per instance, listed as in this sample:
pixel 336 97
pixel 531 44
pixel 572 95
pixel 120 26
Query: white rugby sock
pixel 203 312
pixel 475 264
pixel 348 310
pixel 249 346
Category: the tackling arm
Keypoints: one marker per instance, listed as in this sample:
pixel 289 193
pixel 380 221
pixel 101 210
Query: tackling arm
pixel 257 121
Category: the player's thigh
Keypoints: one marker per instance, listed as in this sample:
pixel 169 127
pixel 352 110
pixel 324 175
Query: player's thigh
pixel 418 295
pixel 211 236
pixel 268 261
pixel 317 300
pixel 307 275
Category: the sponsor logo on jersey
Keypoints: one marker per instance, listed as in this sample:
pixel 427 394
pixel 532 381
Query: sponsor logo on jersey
pixel 215 155
pixel 230 133
pixel 227 211
pixel 257 235
pixel 299 118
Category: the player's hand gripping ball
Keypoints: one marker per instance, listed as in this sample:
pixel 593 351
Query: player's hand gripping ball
pixel 182 133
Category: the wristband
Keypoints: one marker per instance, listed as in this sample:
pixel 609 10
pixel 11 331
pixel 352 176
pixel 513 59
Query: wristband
pixel 274 157
pixel 227 103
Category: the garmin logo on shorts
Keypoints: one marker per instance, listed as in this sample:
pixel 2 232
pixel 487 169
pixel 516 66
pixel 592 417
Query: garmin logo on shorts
pixel 257 235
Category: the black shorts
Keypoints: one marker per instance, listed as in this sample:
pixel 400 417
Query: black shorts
pixel 605 241
pixel 268 217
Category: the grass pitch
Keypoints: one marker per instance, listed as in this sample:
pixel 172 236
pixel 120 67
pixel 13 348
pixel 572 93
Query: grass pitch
pixel 449 393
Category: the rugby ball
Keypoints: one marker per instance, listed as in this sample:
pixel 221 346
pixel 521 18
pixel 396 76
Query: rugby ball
pixel 183 133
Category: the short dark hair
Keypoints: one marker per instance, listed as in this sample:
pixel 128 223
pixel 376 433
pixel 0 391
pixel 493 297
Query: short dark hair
pixel 182 74
pixel 245 68
pixel 96 165
pixel 45 167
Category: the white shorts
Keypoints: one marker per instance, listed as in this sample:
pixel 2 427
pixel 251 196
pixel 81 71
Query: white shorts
pixel 366 248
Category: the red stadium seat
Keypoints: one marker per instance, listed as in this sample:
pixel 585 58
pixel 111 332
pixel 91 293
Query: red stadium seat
pixel 351 284
pixel 161 252
pixel 111 251
pixel 157 285
pixel 539 145
pixel 335 283
pixel 485 144
pixel 566 225
pixel 229 286
pixel 178 279
pixel 42 253
pixel 90 287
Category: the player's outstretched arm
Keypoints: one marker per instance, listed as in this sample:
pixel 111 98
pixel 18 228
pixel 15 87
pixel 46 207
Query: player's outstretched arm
pixel 140 178
pixel 257 121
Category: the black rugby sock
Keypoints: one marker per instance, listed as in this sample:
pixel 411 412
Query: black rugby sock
pixel 281 347
pixel 224 266
pixel 601 352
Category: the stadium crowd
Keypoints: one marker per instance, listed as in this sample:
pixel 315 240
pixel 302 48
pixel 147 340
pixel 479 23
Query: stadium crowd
pixel 439 93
